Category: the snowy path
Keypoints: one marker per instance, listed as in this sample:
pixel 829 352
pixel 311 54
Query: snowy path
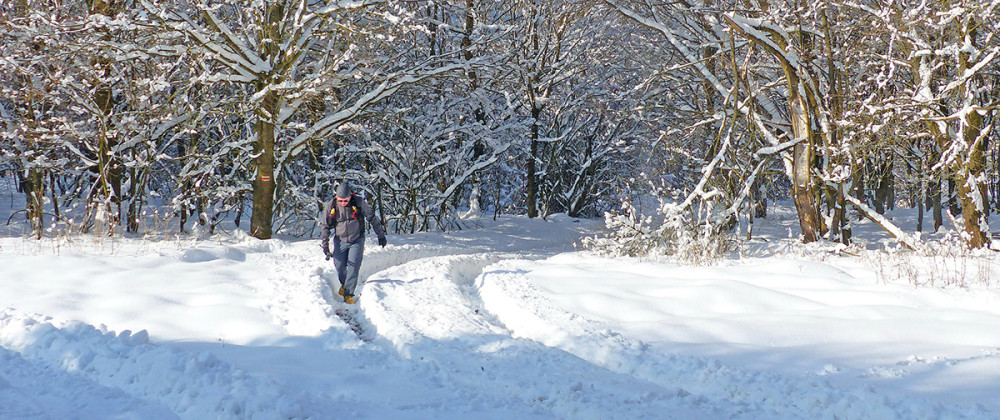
pixel 438 318
pixel 449 326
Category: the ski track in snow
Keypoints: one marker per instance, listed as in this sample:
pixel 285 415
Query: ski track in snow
pixel 465 320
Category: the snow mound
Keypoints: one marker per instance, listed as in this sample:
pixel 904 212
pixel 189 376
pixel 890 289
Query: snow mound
pixel 516 300
pixel 192 385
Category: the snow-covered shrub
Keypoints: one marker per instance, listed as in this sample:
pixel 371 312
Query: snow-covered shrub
pixel 945 263
pixel 676 232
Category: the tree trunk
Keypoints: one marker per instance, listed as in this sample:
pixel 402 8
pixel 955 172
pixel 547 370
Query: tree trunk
pixel 478 148
pixel 110 169
pixel 239 210
pixel 884 184
pixel 953 205
pixel 34 191
pixel 262 217
pixel 921 198
pixel 52 195
pixel 934 188
pixel 32 182
pixel 585 192
pixel 995 190
pixel 803 188
pixel 841 226
pixel 935 198
pixel 532 158
pixel 859 184
pixel 135 202
pixel 263 184
pixel 185 187
pixel 971 195
pixel 803 193
pixel 971 185
pixel 758 200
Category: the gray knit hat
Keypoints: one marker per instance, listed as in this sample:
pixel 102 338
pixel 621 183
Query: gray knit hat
pixel 344 190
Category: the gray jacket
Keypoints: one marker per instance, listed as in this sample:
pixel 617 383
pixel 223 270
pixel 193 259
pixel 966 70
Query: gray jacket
pixel 348 223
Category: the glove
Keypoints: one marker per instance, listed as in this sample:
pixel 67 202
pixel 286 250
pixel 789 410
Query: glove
pixel 382 241
pixel 326 251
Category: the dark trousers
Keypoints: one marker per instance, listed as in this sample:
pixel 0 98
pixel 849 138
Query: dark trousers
pixel 347 257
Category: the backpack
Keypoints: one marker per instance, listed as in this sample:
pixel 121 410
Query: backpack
pixel 350 204
pixel 353 227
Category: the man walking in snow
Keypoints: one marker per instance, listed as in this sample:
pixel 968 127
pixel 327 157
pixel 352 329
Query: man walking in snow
pixel 346 215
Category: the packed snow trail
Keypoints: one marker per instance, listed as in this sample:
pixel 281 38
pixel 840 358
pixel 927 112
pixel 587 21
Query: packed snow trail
pixel 435 320
pixel 434 317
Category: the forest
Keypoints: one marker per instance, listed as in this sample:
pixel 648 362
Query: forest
pixel 679 122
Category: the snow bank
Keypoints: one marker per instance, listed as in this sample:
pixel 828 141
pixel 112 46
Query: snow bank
pixel 192 385
pixel 596 308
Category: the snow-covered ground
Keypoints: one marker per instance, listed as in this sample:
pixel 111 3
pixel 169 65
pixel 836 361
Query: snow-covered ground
pixel 506 320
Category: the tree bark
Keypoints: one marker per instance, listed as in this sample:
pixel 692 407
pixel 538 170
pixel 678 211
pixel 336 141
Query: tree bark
pixel 263 184
pixel 971 186
pixel 135 204
pixel 935 199
pixel 34 190
pixel 921 198
pixel 803 194
pixel 803 190
pixel 532 193
pixel 884 184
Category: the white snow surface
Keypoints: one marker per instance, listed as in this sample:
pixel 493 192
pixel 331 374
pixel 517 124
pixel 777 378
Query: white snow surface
pixel 499 321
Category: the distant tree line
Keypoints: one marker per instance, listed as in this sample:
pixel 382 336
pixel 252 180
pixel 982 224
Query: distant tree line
pixel 254 110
